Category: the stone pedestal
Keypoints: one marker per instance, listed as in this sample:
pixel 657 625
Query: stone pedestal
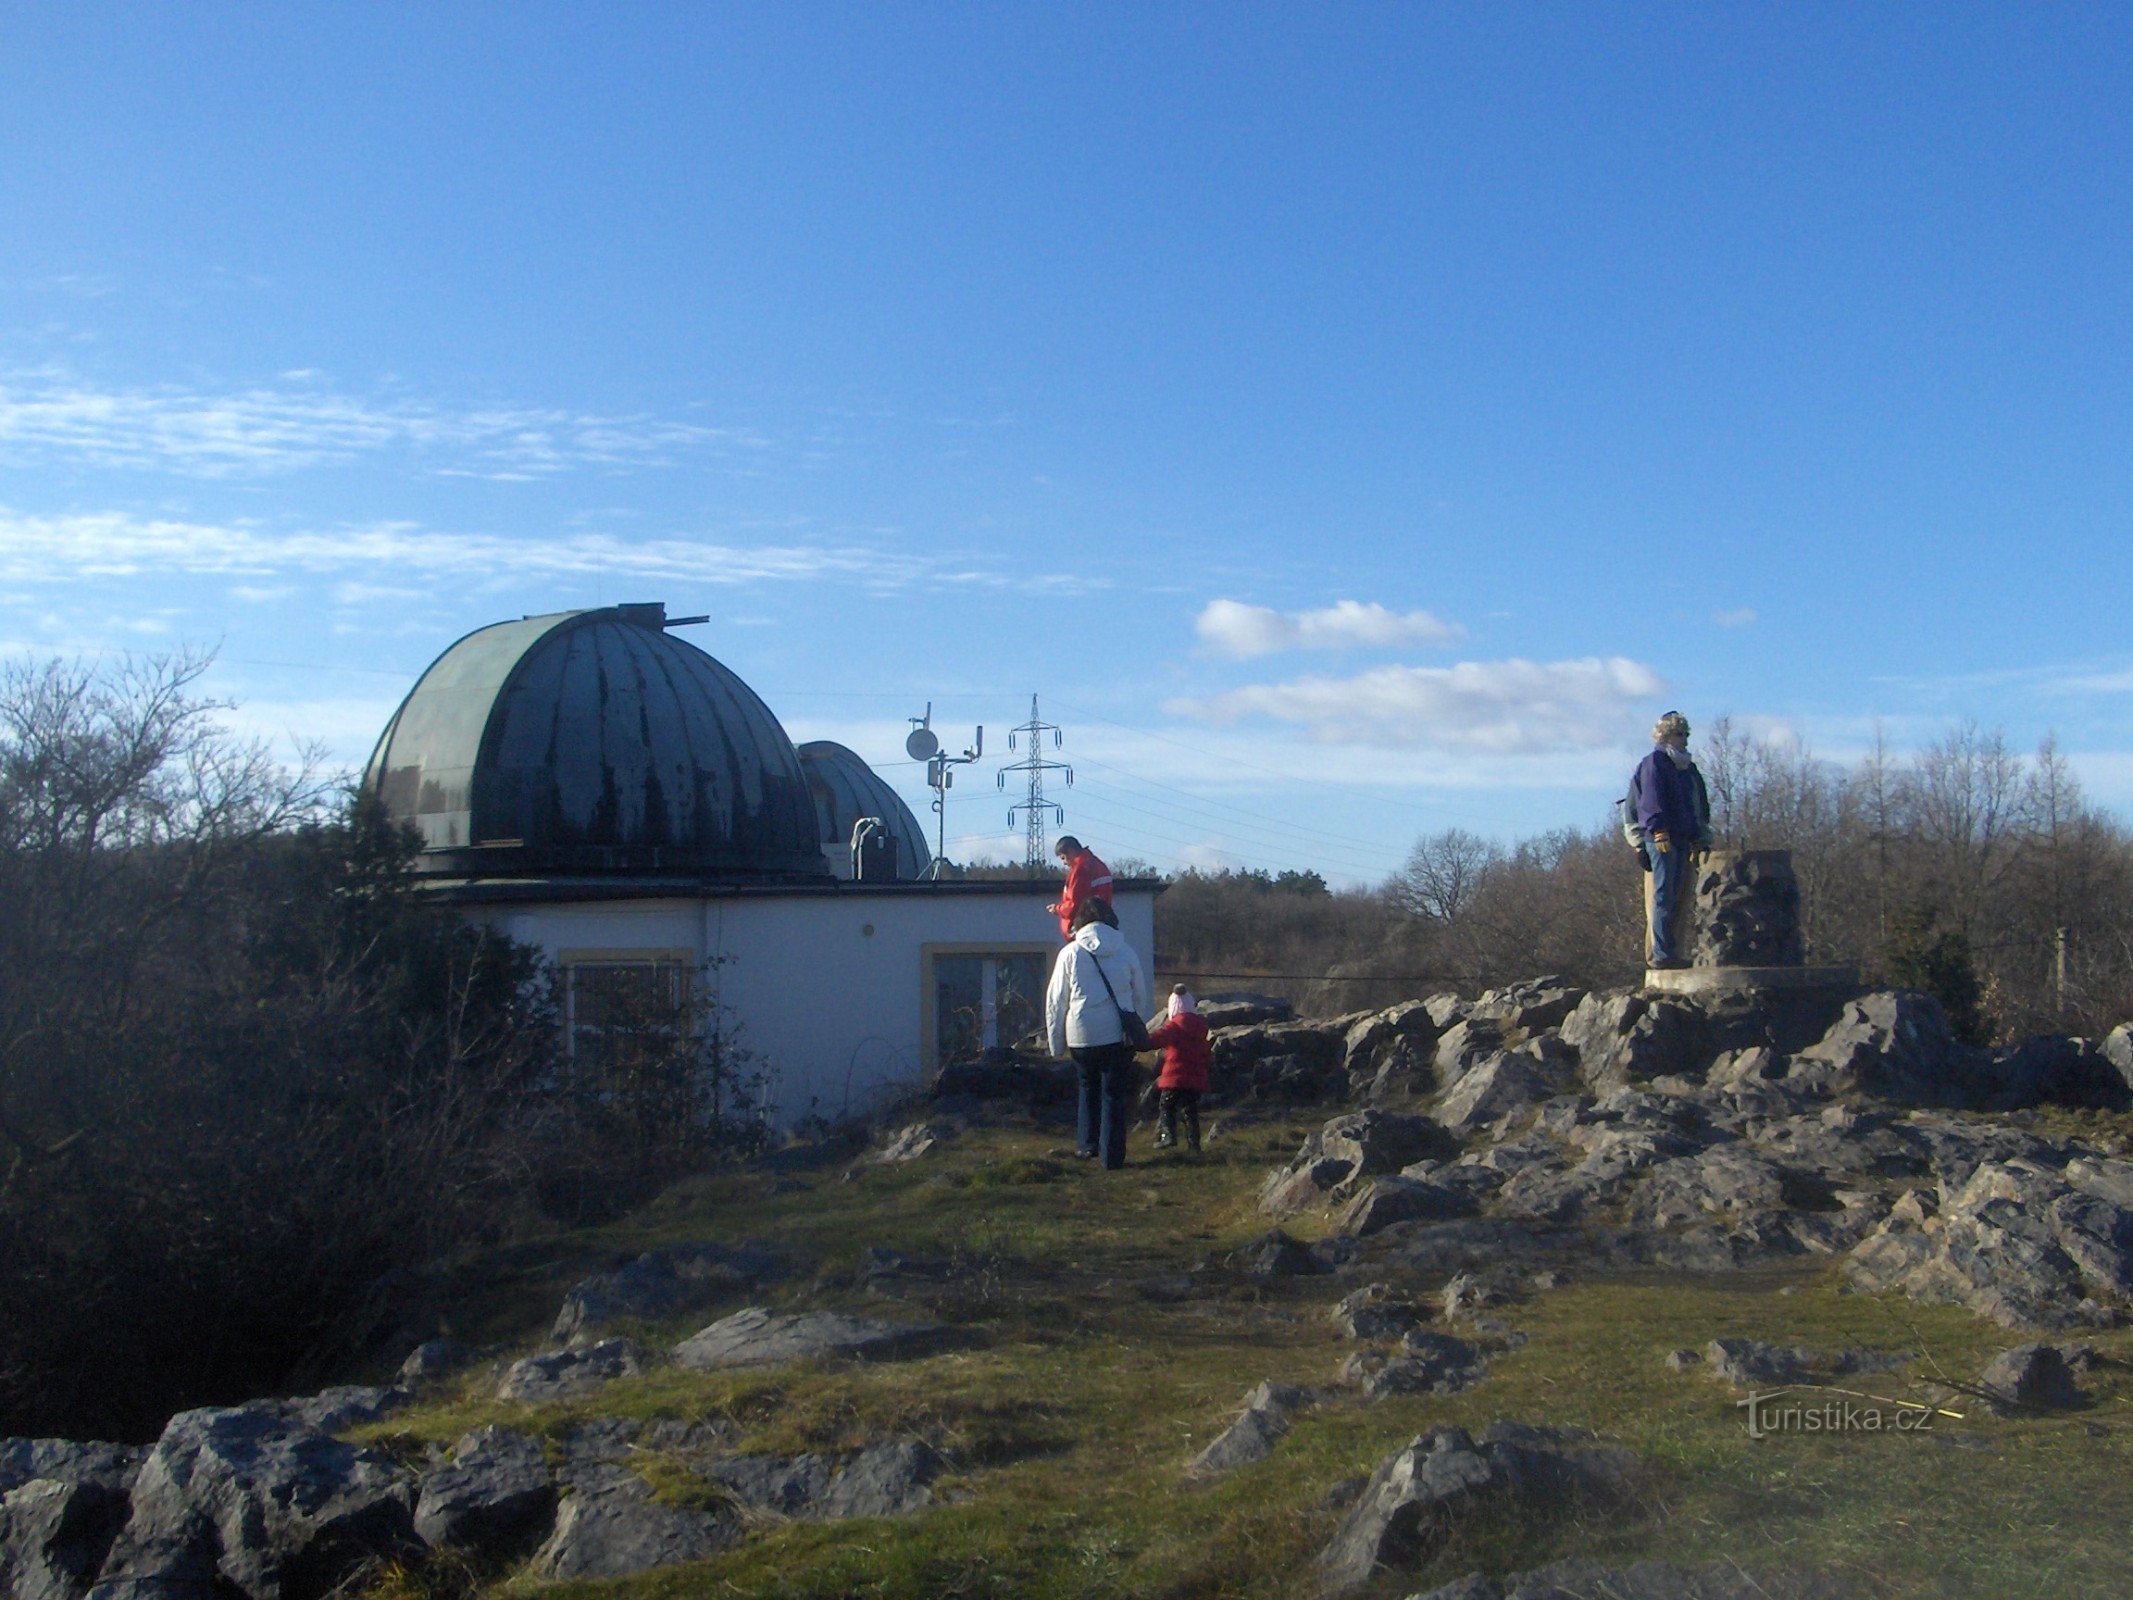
pixel 1747 954
pixel 1747 910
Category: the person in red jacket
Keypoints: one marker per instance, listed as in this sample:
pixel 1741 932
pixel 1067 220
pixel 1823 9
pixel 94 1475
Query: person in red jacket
pixel 1187 1059
pixel 1087 879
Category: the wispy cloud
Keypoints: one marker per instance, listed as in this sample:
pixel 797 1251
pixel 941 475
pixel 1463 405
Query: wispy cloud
pixel 1235 629
pixel 48 416
pixel 1740 618
pixel 1503 707
pixel 46 550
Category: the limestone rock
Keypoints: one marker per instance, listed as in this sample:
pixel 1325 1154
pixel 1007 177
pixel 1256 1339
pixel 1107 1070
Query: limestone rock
pixel 1375 1312
pixel 497 1497
pixel 1378 1141
pixel 758 1336
pixel 913 1141
pixel 1428 1363
pixel 2015 1242
pixel 2048 1069
pixel 1391 1051
pixel 433 1359
pixel 61 1506
pixel 1276 1255
pixel 1465 1045
pixel 786 1487
pixel 2031 1377
pixel 1405 1511
pixel 241 1501
pixel 1896 1044
pixel 667 1282
pixel 1244 1010
pixel 569 1374
pixel 107 1466
pixel 883 1480
pixel 1627 1038
pixel 617 1529
pixel 1305 1184
pixel 1391 1200
pixel 2117 1049
pixel 1260 1424
pixel 1495 1088
pixel 1529 1007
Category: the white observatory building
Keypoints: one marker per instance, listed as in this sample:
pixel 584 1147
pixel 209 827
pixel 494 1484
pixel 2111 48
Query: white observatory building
pixel 594 786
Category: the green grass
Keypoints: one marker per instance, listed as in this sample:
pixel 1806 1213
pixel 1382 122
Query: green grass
pixel 1070 1423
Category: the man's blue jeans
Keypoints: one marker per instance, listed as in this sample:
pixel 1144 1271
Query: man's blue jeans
pixel 1106 1074
pixel 1670 878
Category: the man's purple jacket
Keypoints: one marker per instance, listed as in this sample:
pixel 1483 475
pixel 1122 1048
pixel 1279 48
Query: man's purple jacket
pixel 1669 799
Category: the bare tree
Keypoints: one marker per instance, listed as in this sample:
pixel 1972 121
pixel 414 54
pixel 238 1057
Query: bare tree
pixel 1442 875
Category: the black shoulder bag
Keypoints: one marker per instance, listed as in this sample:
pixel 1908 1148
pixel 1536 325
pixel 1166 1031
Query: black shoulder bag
pixel 1130 1026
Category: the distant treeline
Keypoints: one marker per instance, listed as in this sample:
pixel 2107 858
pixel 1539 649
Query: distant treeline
pixel 246 1073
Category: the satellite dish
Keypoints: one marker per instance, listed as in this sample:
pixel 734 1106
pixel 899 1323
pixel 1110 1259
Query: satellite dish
pixel 922 745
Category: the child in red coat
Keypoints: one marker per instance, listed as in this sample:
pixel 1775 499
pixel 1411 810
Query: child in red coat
pixel 1187 1057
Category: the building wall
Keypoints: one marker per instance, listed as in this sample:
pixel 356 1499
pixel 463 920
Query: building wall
pixel 832 991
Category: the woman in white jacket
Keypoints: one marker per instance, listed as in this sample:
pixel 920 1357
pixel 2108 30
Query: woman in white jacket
pixel 1081 1020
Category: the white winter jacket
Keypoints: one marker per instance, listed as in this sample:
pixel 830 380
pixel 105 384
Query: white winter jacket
pixel 1077 1011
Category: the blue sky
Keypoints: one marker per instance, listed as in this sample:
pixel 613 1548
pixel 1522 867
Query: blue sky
pixel 1353 421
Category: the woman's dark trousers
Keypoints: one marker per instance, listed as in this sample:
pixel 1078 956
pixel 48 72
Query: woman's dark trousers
pixel 1106 1076
pixel 1174 1101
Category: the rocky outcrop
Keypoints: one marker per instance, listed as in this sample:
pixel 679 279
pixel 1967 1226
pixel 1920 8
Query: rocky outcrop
pixel 245 1502
pixel 2015 1241
pixel 1289 1063
pixel 1411 1501
pixel 758 1336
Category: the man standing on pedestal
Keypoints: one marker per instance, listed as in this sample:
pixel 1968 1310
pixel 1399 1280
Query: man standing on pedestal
pixel 1673 811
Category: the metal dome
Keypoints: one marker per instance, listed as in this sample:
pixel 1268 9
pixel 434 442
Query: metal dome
pixel 845 789
pixel 594 742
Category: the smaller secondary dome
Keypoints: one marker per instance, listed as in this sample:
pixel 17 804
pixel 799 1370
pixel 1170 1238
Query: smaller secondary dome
pixel 594 742
pixel 845 789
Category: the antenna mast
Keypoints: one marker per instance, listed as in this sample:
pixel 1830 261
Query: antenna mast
pixel 1035 805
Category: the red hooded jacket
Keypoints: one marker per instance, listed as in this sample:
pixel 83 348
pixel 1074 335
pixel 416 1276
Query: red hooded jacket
pixel 1087 879
pixel 1187 1056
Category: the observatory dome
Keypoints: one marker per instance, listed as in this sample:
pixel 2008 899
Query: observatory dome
pixel 594 742
pixel 845 789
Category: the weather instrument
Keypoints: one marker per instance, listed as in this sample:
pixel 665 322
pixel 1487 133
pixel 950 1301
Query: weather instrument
pixel 921 744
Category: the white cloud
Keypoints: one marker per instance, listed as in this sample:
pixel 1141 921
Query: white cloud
pixel 1502 707
pixel 1734 619
pixel 47 416
pixel 1236 629
pixel 44 550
